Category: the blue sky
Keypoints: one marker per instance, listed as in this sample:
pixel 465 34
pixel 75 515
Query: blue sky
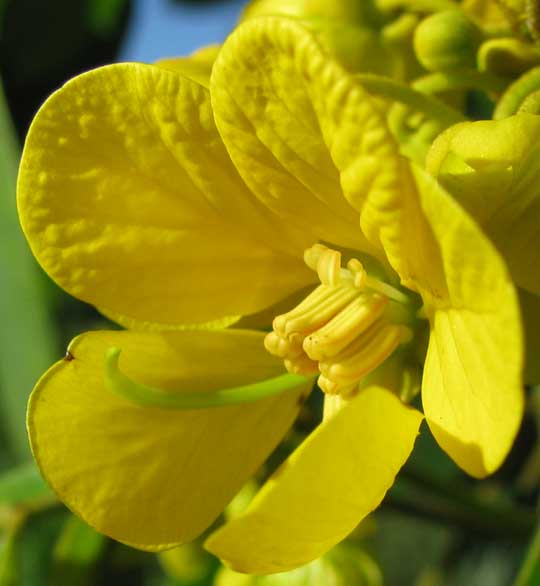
pixel 162 28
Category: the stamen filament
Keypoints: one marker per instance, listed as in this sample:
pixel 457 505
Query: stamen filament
pixel 386 289
pixel 145 396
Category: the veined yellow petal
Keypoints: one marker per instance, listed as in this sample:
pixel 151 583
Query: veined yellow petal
pixel 302 132
pixel 334 479
pixel 130 202
pixel 493 169
pixel 152 326
pixel 147 476
pixel 198 66
pixel 486 13
pixel 472 387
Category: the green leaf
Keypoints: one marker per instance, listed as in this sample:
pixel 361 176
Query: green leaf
pixel 26 336
pixel 104 16
pixel 23 485
pixel 76 553
pixel 25 557
pixel 9 571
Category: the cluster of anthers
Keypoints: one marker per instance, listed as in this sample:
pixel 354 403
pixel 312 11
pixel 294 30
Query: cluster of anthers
pixel 344 329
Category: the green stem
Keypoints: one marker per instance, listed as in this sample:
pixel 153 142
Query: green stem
pixel 451 503
pixel 435 83
pixel 432 107
pixel 516 93
pixel 147 396
pixel 529 574
pixel 27 344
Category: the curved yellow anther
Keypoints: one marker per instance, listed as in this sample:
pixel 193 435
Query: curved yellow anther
pixel 327 263
pixel 340 331
pixel 329 267
pixel 364 355
pixel 283 347
pixel 331 387
pixel 313 254
pixel 314 311
pixel 358 272
pixel 301 365
pixel 344 329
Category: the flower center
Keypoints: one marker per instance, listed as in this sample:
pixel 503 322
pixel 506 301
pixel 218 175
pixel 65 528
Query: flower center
pixel 347 327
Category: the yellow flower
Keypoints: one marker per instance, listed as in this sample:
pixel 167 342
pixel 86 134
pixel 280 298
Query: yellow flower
pixel 168 205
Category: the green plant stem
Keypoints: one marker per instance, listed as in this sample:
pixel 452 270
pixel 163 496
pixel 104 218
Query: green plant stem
pixel 27 344
pixel 437 500
pixel 529 574
pixel 435 83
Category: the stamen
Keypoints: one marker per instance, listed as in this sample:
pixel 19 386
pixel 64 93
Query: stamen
pixel 301 365
pixel 146 396
pixel 385 289
pixel 313 254
pixel 339 332
pixel 334 388
pixel 364 355
pixel 358 272
pixel 283 347
pixel 347 327
pixel 326 262
pixel 315 310
pixel 328 268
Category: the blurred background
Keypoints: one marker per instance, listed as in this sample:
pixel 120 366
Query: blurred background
pixel 436 527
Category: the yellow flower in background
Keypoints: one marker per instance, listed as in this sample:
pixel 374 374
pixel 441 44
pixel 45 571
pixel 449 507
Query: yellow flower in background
pixel 170 206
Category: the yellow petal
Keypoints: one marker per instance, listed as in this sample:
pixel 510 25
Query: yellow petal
pixel 304 135
pixel 493 169
pixel 198 66
pixel 334 479
pixel 147 476
pixel 486 13
pixel 130 202
pixel 472 387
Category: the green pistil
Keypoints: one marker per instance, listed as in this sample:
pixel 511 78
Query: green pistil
pixel 146 396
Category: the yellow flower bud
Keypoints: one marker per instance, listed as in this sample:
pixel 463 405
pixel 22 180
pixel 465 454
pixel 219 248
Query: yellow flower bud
pixel 445 41
pixel 349 11
pixel 347 29
pixel 507 56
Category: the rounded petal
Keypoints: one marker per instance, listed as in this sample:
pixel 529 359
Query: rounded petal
pixel 493 169
pixel 472 389
pixel 330 483
pixel 304 135
pixel 472 385
pixel 130 202
pixel 147 476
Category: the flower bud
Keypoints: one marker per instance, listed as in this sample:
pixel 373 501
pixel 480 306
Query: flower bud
pixel 446 41
pixel 347 11
pixel 347 29
pixel 507 56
